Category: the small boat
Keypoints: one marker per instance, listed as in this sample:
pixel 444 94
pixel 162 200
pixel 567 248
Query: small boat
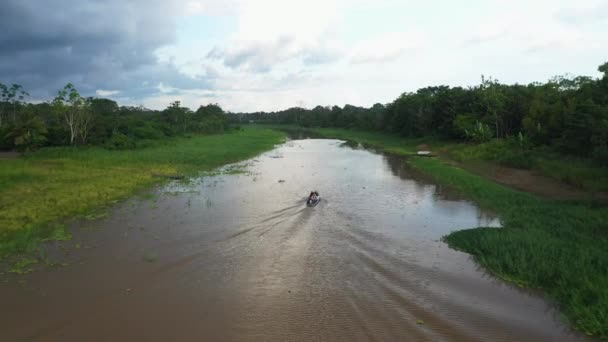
pixel 313 201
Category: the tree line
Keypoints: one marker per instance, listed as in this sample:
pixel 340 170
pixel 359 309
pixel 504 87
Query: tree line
pixel 71 119
pixel 568 114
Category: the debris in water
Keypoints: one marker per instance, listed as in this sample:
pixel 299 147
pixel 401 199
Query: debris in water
pixel 174 177
pixel 424 154
pixel 150 257
pixel 281 181
pixel 419 321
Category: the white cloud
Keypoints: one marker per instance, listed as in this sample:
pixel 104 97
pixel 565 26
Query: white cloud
pixel 585 12
pixel 208 7
pixel 387 48
pixel 164 89
pixel 269 19
pixel 102 92
pixel 271 54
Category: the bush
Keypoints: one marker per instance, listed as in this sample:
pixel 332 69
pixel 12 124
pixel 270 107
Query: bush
pixel 119 141
pixel 28 133
pixel 463 123
pixel 6 143
pixel 480 133
pixel 520 159
pixel 145 143
pixel 600 155
pixel 505 152
pixel 147 132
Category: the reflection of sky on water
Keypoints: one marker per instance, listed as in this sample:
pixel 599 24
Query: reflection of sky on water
pixel 372 191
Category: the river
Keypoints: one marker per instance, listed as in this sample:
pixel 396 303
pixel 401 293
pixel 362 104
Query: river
pixel 237 256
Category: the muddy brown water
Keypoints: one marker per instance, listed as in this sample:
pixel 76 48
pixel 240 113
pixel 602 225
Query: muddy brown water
pixel 238 257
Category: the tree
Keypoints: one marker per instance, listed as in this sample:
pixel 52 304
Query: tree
pixel 10 98
pixel 105 119
pixel 29 132
pixel 76 113
pixel 494 99
pixel 177 116
pixel 604 69
pixel 85 120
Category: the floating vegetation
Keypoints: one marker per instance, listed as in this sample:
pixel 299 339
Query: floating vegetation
pixel 21 266
pixel 150 257
pixel 96 215
pixel 58 232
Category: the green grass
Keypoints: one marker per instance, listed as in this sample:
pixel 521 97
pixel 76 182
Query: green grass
pixel 385 142
pixel 572 170
pixel 52 184
pixel 556 246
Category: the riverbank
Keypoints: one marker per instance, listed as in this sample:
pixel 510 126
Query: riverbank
pixel 239 257
pixel 557 246
pixel 546 173
pixel 40 190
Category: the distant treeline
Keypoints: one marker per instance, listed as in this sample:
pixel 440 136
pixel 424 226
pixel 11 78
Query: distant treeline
pixel 71 119
pixel 569 114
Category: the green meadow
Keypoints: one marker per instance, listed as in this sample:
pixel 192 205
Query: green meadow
pixel 41 189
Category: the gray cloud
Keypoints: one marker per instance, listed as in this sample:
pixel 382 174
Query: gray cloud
pixel 262 56
pixel 576 16
pixel 107 44
pixel 254 56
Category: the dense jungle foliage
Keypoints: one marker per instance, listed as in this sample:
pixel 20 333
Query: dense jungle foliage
pixel 71 119
pixel 567 114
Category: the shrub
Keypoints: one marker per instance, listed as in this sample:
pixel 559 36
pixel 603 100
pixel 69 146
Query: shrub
pixel 600 155
pixel 480 133
pixel 28 133
pixel 6 143
pixel 119 141
pixel 520 159
pixel 147 132
pixel 463 123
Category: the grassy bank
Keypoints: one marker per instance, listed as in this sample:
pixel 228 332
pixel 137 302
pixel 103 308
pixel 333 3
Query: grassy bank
pixel 575 171
pixel 556 246
pixel 585 177
pixel 39 190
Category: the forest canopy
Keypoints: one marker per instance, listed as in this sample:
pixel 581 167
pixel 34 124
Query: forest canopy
pixel 71 119
pixel 568 114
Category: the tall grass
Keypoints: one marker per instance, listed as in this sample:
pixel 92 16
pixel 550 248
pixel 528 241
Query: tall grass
pixel 556 246
pixel 579 172
pixel 56 183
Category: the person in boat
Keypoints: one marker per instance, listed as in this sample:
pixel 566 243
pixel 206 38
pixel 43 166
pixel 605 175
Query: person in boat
pixel 313 196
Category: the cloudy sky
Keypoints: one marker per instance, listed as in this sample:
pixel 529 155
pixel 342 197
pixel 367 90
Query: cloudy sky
pixel 249 55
